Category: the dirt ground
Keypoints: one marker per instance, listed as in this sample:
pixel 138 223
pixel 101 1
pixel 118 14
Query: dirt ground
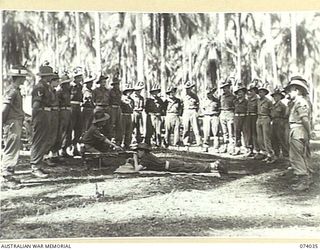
pixel 254 200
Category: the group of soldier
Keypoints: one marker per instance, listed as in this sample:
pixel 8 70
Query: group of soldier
pixel 64 109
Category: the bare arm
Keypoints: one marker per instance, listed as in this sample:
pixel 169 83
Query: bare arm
pixel 306 125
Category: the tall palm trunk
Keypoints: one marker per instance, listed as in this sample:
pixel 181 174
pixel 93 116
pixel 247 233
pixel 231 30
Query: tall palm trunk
pixel 78 49
pixel 140 49
pixel 238 25
pixel 293 41
pixel 162 56
pixel 222 39
pixel 97 40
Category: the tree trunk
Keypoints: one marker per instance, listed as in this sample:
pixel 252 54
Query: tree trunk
pixel 222 41
pixel 293 42
pixel 97 44
pixel 162 57
pixel 139 46
pixel 238 25
pixel 78 48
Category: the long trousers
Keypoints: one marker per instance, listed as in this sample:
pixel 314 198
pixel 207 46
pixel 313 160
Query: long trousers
pixel 12 141
pixel 116 124
pixel 251 139
pixel 279 137
pixel 211 125
pixel 239 123
pixel 127 129
pixel 76 123
pixel 39 145
pixel 137 125
pixel 64 138
pixel 227 126
pixel 172 124
pixel 299 152
pixel 190 119
pixel 264 135
pixel 153 128
pixel 54 131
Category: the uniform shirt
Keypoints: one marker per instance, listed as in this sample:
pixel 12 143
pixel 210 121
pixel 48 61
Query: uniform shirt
pixel 227 101
pixel 101 96
pixel 64 97
pixel 155 105
pixel 76 92
pixel 299 109
pixel 138 102
pixel 252 105
pixel 173 105
pixel 93 137
pixel 191 101
pixel 87 98
pixel 211 106
pixel 115 97
pixel 13 98
pixel 55 98
pixel 240 106
pixel 127 105
pixel 264 107
pixel 42 94
pixel 278 110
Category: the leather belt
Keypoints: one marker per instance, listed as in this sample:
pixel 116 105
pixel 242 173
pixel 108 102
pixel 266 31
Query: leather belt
pixel 154 113
pixel 102 104
pixel 45 108
pixel 55 108
pixel 65 108
pixel 263 115
pixel 240 115
pixel 75 102
pixel 295 125
pixel 211 114
pixel 226 109
pixel 137 110
pixel 126 113
pixel 115 106
pixel 252 113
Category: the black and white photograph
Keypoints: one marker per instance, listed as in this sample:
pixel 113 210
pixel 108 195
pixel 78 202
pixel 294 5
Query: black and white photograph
pixel 160 124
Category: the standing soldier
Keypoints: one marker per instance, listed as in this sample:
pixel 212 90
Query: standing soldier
pixel 76 119
pixel 115 114
pixel 190 114
pixel 137 111
pixel 41 107
pixel 264 126
pixel 101 99
pixel 127 105
pixel 279 123
pixel 227 116
pixel 54 121
pixel 173 107
pixel 299 140
pixel 240 113
pixel 211 111
pixel 65 114
pixel 87 103
pixel 154 109
pixel 251 119
pixel 12 120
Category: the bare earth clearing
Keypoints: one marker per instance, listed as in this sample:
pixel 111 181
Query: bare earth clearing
pixel 254 200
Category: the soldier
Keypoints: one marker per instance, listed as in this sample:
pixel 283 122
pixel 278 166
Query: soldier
pixel 173 106
pixel 101 99
pixel 64 96
pixel 137 111
pixel 76 117
pixel 279 123
pixel 251 119
pixel 211 111
pixel 264 126
pixel 227 116
pixel 115 114
pixel 154 110
pixel 41 107
pixel 54 122
pixel 299 140
pixel 240 113
pixel 190 114
pixel 93 140
pixel 12 120
pixel 127 105
pixel 87 103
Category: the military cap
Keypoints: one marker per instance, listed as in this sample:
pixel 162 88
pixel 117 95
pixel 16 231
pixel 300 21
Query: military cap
pixel 115 79
pixel 254 84
pixel 89 78
pixel 101 77
pixel 211 90
pixel 155 88
pixel 264 87
pixel 189 84
pixel 100 116
pixel 65 79
pixel 298 81
pixel 226 83
pixel 239 87
pixel 77 71
pixel 278 91
pixel 18 70
pixel 45 70
pixel 127 87
pixel 139 86
pixel 56 76
pixel 171 89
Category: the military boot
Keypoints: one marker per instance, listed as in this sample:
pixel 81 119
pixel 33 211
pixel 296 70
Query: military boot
pixel 302 184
